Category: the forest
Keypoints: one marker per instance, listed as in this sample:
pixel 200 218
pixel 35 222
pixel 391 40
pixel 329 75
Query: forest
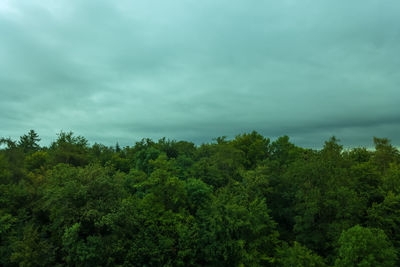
pixel 248 201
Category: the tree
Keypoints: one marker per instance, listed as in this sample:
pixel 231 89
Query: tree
pixel 70 149
pixel 146 151
pixel 386 216
pixel 331 153
pixel 235 231
pixel 324 201
pixel 391 179
pixel 298 256
pixel 29 142
pixel 283 153
pixel 36 160
pixel 254 146
pixel 367 181
pixel 198 194
pixel 218 164
pixel 33 249
pixel 384 154
pixel 366 247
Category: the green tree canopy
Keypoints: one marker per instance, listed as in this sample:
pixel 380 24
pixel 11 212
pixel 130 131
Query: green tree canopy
pixel 360 246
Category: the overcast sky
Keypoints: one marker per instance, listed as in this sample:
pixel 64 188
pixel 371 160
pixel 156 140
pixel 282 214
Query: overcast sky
pixel 194 70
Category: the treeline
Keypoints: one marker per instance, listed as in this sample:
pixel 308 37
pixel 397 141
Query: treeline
pixel 241 202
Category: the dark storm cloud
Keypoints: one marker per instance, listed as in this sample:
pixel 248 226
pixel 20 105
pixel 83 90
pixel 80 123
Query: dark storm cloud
pixel 122 70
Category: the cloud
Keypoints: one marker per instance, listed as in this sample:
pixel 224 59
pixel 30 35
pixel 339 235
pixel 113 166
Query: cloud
pixel 121 71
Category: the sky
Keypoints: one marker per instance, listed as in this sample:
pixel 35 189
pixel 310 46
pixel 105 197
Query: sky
pixel 120 71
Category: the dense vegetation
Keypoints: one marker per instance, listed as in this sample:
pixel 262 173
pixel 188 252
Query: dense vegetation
pixel 243 202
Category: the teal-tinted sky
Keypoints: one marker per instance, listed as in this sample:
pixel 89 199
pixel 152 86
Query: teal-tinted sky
pixel 194 70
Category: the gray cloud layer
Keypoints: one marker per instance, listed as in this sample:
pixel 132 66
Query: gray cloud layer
pixel 124 70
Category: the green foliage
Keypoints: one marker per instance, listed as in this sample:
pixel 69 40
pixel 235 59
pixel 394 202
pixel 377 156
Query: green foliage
pixel 298 256
pixel 358 155
pixel 218 164
pixel 5 172
pixel 198 193
pixel 29 142
pixel 257 182
pixel 170 203
pixel 144 156
pixel 386 216
pixel 33 250
pixel 11 162
pixel 283 153
pixel 82 252
pixel 36 161
pixel 69 149
pixel 391 179
pixel 254 146
pixel 7 223
pixel 385 153
pixel 234 231
pixel 359 246
pixel 367 181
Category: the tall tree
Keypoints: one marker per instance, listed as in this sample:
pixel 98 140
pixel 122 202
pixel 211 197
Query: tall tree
pixel 29 142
